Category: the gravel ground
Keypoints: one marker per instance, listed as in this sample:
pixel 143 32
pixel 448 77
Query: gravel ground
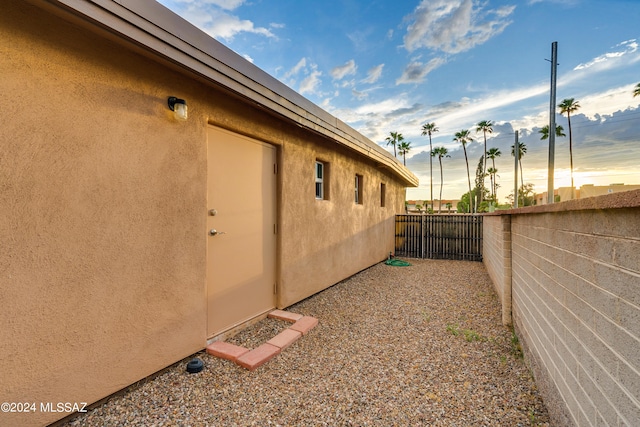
pixel 395 346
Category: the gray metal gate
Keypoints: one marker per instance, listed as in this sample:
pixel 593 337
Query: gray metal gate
pixel 456 237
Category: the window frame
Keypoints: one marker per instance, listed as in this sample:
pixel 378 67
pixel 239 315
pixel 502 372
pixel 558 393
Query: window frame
pixel 320 174
pixel 358 189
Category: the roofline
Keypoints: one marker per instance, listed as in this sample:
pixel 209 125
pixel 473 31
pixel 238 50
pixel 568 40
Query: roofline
pixel 158 30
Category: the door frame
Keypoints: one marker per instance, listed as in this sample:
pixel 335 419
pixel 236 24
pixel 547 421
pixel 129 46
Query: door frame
pixel 240 324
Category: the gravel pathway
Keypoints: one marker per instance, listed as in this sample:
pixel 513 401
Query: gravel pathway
pixel 396 346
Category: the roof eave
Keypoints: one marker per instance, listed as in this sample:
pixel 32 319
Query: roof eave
pixel 160 31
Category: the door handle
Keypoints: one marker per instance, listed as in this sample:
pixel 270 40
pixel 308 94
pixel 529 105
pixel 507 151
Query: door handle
pixel 214 232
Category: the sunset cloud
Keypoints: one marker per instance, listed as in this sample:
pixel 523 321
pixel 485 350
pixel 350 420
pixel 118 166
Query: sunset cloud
pixel 454 26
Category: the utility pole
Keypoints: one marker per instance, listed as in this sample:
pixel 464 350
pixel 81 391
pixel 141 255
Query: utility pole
pixel 516 153
pixel 552 121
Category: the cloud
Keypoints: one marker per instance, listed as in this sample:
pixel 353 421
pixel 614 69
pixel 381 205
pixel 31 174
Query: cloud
pixel 416 71
pixel 560 2
pixel 311 83
pixel 629 47
pixel 342 71
pixel 454 26
pixel 400 112
pixel 212 17
pixel 374 74
pixel 225 4
pixel 359 95
pixel 296 68
pixel 227 26
pixel 309 73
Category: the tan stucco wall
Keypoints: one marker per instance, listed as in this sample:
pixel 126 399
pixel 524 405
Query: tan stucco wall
pixel 324 241
pixel 102 255
pixel 103 195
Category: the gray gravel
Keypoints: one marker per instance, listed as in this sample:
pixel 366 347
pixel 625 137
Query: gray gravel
pixel 395 346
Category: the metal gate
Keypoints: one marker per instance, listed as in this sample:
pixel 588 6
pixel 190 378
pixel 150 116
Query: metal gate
pixel 456 237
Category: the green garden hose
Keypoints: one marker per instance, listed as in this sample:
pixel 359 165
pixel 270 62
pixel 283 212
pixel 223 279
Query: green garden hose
pixel 397 262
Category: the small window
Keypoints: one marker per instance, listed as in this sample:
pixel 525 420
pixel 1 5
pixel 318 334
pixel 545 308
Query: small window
pixel 383 194
pixel 358 189
pixel 319 180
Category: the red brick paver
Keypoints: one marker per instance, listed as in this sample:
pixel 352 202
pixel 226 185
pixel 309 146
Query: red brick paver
pixel 251 359
pixel 285 338
pixel 258 356
pixel 285 315
pixel 226 350
pixel 305 324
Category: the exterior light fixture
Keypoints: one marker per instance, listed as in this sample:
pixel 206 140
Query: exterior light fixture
pixel 179 107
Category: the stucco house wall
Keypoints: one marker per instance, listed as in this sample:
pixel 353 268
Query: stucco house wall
pixel 103 195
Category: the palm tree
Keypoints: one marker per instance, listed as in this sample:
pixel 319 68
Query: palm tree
pixel 569 106
pixel 492 154
pixel 485 127
pixel 428 129
pixel 545 131
pixel 463 138
pixel 403 148
pixel 492 175
pixel 394 139
pixel 636 90
pixel 522 149
pixel 440 152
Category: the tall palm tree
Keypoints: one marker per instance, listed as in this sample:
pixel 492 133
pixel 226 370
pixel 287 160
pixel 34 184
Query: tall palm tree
pixel 522 149
pixel 394 139
pixel 429 129
pixel 440 152
pixel 485 126
pixel 569 106
pixel 492 175
pixel 636 90
pixel 492 154
pixel 545 132
pixel 463 138
pixel 403 148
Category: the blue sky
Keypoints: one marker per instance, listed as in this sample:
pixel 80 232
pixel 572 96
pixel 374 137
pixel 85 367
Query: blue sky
pixel 383 66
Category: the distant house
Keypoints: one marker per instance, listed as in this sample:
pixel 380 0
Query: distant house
pixel 448 206
pixel 563 194
pixel 133 233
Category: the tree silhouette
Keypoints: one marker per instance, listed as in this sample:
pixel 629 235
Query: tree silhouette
pixel 569 106
pixel 463 138
pixel 394 139
pixel 440 152
pixel 485 126
pixel 403 148
pixel 492 154
pixel 429 129
pixel 522 149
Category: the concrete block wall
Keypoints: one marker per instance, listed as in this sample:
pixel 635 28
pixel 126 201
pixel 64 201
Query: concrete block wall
pixel 496 250
pixel 575 286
